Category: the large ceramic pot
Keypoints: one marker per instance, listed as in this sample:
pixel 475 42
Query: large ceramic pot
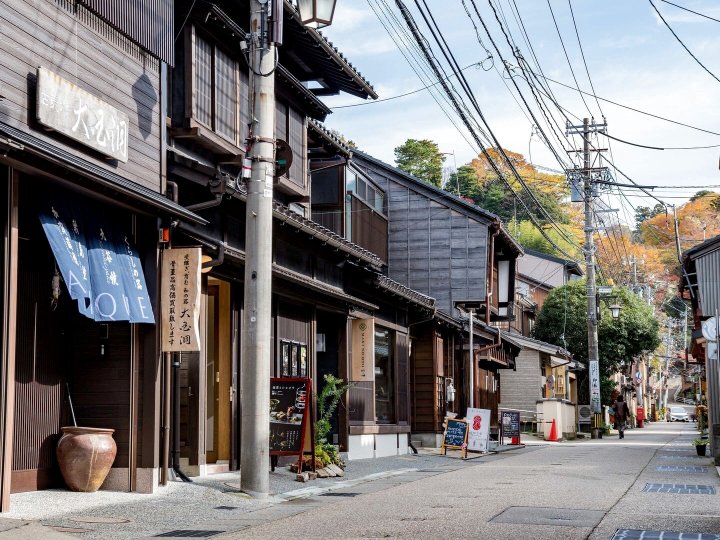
pixel 85 456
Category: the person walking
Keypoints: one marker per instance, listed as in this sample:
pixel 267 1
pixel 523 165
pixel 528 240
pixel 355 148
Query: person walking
pixel 621 414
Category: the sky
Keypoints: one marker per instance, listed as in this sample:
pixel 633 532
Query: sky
pixel 632 59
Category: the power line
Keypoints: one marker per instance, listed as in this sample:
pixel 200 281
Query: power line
pixel 401 95
pixel 582 53
pixel 691 11
pixel 572 71
pixel 681 42
pixel 630 108
pixel 461 112
pixel 662 147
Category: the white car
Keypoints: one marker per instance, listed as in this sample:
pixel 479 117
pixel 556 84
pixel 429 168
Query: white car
pixel 678 414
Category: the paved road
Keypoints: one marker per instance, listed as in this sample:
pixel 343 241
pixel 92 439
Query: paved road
pixel 584 489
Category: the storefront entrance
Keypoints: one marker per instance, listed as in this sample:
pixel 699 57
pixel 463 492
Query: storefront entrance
pixel 218 380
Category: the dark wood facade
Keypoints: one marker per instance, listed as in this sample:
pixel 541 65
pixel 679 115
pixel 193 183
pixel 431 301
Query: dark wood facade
pixel 112 371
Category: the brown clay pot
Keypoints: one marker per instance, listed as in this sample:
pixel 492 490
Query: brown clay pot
pixel 85 456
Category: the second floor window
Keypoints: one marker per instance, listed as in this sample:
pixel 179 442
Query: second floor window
pixel 215 85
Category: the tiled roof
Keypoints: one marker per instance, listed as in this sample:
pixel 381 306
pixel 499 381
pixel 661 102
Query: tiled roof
pixel 416 297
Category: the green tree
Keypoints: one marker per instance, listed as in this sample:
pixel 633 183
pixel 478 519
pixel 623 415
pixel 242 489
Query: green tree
pixel 421 158
pixel 563 321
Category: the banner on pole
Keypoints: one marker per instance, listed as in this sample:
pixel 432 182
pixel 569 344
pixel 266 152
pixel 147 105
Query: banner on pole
pixel 595 386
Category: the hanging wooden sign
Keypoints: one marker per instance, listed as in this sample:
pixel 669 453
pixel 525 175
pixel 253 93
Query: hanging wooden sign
pixel 363 350
pixel 180 299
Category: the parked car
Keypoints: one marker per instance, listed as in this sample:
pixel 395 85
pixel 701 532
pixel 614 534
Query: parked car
pixel 678 414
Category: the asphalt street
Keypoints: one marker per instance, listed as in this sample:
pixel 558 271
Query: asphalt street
pixel 581 489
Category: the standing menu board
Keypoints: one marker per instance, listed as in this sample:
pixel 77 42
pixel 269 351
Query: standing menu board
pixel 290 415
pixel 510 425
pixel 455 435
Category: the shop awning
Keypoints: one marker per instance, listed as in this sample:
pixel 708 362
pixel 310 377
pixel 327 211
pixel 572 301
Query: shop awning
pixel 98 263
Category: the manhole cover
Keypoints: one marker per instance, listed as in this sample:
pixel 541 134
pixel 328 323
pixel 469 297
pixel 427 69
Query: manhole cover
pixel 639 534
pixel 99 519
pixel 188 534
pixel 565 517
pixel 683 489
pixel 70 530
pixel 672 468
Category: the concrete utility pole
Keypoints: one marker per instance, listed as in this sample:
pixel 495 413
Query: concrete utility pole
pixel 592 321
pixel 256 342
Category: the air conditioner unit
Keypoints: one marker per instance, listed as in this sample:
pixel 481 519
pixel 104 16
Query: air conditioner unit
pixel 585 414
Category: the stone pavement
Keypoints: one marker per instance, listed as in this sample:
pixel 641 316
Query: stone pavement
pixel 581 489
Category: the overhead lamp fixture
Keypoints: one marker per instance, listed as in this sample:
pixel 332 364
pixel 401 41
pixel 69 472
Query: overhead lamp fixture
pixel 316 13
pixel 615 310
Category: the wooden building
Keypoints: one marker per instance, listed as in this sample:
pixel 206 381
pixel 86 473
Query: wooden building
pixel 452 251
pixel 81 133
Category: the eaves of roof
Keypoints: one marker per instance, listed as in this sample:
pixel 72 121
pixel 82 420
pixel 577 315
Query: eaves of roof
pixel 530 343
pixel 339 70
pixel 329 137
pixel 570 265
pixel 390 285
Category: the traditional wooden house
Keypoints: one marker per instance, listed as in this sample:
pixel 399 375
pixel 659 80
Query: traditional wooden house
pixel 459 254
pixel 82 120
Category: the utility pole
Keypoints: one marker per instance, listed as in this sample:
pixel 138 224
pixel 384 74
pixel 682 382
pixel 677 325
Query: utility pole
pixel 592 321
pixel 256 342
pixel 593 355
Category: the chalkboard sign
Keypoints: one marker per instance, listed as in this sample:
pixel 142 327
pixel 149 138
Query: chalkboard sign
pixel 290 404
pixel 510 422
pixel 455 435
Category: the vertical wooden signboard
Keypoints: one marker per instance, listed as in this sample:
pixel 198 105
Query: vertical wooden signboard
pixel 290 417
pixel 180 299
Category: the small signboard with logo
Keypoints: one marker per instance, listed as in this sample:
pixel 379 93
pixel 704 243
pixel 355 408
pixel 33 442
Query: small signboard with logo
pixel 180 299
pixel 455 436
pixel 478 429
pixel 290 417
pixel 363 350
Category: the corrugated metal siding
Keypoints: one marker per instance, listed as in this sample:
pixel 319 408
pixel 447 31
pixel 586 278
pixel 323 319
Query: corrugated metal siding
pixel 150 23
pixel 708 279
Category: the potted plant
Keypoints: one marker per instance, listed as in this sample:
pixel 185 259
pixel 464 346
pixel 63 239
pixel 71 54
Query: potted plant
pixel 700 446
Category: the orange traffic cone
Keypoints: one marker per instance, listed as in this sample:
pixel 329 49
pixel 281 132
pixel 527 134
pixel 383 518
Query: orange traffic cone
pixel 553 432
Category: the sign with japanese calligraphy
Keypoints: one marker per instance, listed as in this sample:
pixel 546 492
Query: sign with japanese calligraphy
pixel 70 110
pixel 290 409
pixel 363 350
pixel 180 299
pixel 98 263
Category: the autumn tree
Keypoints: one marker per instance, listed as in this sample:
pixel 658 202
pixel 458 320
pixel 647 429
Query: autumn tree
pixel 421 158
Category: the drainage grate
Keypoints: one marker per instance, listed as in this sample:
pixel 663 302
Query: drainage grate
pixel 672 468
pixel 226 508
pixel 683 489
pixel 339 494
pixel 675 450
pixel 681 457
pixel 638 534
pixel 188 534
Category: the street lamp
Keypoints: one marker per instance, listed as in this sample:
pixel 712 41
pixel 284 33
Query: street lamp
pixel 615 310
pixel 316 13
